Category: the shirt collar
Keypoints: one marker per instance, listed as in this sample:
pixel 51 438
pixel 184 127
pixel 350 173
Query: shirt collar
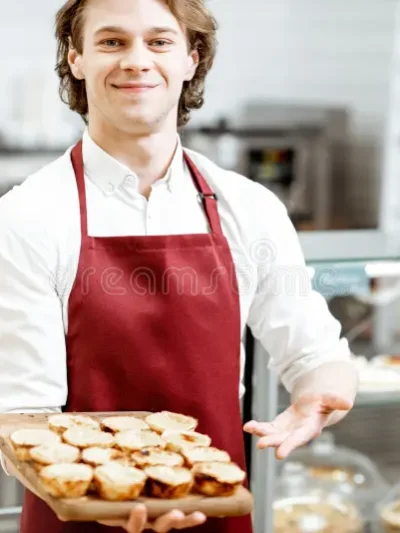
pixel 109 174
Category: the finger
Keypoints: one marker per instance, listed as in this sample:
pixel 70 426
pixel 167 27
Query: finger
pixel 195 519
pixel 296 439
pixel 167 521
pixel 137 520
pixel 271 441
pixel 177 520
pixel 332 402
pixel 260 429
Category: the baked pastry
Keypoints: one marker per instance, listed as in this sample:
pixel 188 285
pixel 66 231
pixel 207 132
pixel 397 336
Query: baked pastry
pixel 131 441
pixel 309 513
pixel 123 423
pixel 65 480
pixel 390 516
pixel 167 421
pixel 154 456
pixel 53 453
pixel 168 482
pixel 203 454
pixel 61 422
pixel 117 482
pixel 96 456
pixel 23 440
pixel 87 438
pixel 217 479
pixel 180 440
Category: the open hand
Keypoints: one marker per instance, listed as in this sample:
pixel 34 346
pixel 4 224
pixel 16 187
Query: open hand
pixel 301 422
pixel 173 520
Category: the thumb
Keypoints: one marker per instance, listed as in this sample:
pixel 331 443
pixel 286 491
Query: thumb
pixel 332 402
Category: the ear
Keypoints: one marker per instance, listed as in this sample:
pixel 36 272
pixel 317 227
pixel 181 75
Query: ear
pixel 75 63
pixel 193 62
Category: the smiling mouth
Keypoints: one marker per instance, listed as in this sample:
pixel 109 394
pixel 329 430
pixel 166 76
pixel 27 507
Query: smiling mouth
pixel 135 87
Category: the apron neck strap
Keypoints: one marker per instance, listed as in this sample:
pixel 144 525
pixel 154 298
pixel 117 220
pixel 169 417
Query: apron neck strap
pixel 208 197
pixel 77 163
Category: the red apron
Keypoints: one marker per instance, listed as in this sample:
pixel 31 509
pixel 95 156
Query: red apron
pixel 154 324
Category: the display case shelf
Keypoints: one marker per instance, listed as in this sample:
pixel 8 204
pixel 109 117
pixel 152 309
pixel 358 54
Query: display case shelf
pixel 363 400
pixel 363 247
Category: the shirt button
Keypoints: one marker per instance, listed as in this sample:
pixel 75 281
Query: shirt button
pixel 129 179
pixel 110 187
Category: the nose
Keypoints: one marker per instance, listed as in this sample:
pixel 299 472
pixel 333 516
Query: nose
pixel 137 58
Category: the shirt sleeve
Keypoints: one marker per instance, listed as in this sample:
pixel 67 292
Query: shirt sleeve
pixel 290 319
pixel 32 340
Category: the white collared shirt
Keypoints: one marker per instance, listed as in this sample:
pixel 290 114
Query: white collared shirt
pixel 39 249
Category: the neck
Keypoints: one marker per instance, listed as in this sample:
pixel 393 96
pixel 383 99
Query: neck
pixel 148 155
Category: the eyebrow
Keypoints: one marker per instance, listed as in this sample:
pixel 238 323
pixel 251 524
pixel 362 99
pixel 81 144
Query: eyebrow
pixel 120 29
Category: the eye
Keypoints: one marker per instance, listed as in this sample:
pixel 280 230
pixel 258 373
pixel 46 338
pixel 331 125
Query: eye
pixel 160 43
pixel 111 43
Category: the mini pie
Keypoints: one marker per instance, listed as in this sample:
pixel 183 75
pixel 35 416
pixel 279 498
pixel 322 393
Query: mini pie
pixel 61 422
pixel 131 441
pixel 217 479
pixel 168 482
pixel 390 516
pixel 25 439
pixel 167 421
pixel 54 453
pixel 180 440
pixel 203 454
pixel 96 456
pixel 117 482
pixel 87 438
pixel 154 456
pixel 123 423
pixel 65 480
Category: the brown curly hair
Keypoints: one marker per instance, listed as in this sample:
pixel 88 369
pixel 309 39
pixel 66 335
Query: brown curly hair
pixel 201 29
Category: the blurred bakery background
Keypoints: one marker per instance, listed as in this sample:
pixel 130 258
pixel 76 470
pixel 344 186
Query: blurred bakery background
pixel 304 98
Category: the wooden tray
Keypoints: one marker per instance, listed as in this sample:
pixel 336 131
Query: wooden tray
pixel 93 509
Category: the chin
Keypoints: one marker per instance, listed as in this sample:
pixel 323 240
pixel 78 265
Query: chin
pixel 138 123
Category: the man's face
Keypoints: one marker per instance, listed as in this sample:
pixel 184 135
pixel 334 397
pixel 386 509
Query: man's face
pixel 135 60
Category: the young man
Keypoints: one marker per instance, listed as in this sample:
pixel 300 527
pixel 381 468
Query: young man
pixel 130 266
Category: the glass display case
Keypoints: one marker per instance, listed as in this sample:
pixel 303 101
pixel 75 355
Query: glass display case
pixel 342 469
pixel 358 273
pixel 387 513
pixel 304 503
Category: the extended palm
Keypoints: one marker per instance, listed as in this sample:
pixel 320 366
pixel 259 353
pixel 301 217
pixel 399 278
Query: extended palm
pixel 297 425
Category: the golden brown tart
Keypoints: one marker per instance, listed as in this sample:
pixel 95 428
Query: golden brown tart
pixel 65 480
pixel 117 482
pixel 116 424
pixel 177 441
pixel 87 438
pixel 217 479
pixel 131 441
pixel 53 453
pixel 154 456
pixel 23 440
pixel 167 421
pixel 63 421
pixel 96 456
pixel 168 482
pixel 204 454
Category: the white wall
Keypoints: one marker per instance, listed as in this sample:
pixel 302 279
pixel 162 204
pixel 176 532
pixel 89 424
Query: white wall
pixel 327 52
pixel 390 201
